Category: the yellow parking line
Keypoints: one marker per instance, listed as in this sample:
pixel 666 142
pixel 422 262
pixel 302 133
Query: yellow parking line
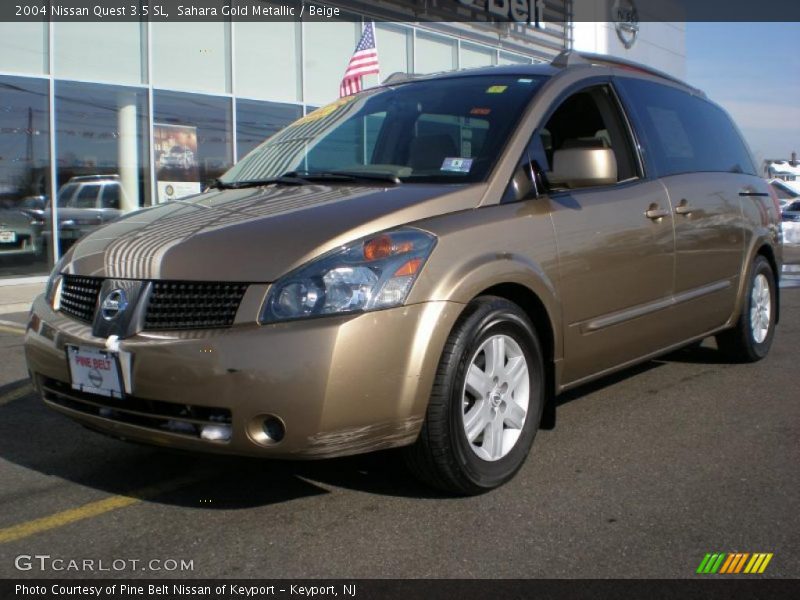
pixel 87 511
pixel 14 330
pixel 16 394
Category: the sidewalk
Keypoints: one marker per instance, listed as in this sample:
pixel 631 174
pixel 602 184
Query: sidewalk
pixel 18 298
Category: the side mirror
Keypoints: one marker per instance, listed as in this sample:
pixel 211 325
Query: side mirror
pixel 527 182
pixel 584 167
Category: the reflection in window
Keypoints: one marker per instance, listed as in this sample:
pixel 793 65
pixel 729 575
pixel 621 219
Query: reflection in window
pixel 24 175
pixel 193 141
pixel 101 141
pixel 102 132
pixel 256 121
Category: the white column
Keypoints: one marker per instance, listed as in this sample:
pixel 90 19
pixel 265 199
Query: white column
pixel 128 146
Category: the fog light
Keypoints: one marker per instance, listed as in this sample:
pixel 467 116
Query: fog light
pixel 216 433
pixel 274 429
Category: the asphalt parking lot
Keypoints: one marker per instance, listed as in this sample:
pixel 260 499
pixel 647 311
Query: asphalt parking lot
pixel 646 472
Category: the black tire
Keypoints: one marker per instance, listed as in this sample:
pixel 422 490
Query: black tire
pixel 739 344
pixel 442 456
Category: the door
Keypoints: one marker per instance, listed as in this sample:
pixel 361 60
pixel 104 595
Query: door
pixel 615 242
pixel 705 167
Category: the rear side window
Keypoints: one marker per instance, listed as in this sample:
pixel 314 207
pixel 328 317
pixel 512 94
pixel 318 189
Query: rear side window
pixel 685 133
pixel 111 196
pixel 87 197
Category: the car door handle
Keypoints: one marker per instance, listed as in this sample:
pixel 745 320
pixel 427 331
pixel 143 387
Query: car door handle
pixel 683 207
pixel 656 213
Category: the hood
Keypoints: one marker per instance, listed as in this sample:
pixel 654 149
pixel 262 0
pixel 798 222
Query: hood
pixel 257 234
pixel 14 219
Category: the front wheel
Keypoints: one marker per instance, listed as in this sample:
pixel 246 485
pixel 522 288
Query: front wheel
pixel 486 402
pixel 751 338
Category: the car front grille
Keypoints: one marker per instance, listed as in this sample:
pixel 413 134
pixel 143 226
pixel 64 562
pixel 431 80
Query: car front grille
pixel 172 305
pixel 193 305
pixel 178 419
pixel 79 296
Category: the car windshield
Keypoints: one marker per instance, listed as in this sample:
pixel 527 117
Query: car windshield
pixel 65 194
pixel 442 131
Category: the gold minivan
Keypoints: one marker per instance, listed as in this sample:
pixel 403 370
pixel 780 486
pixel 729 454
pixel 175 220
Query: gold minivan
pixel 426 264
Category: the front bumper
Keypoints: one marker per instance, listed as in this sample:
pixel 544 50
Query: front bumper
pixel 340 385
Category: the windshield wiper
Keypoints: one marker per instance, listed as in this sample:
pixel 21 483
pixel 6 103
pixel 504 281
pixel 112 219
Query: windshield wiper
pixel 286 179
pixel 345 176
pixel 307 177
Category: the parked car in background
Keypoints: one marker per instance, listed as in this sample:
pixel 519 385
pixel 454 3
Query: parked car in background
pixel 791 232
pixel 20 234
pixel 505 234
pixel 785 191
pixel 84 204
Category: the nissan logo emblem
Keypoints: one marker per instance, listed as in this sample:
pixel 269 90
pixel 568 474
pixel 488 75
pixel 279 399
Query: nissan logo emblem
pixel 114 304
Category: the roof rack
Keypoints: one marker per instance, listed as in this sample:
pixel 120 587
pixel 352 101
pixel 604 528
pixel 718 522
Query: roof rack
pixel 570 58
pixel 93 177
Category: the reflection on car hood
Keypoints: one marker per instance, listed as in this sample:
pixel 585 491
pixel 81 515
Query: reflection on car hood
pixel 257 234
pixel 14 219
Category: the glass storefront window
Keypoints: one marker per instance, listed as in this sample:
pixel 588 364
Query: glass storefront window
pixel 107 51
pixel 192 141
pixel 24 48
pixel 434 53
pixel 192 56
pixel 102 165
pixel 394 48
pixel 508 58
pixel 256 121
pixel 24 175
pixel 473 55
pixel 268 61
pixel 329 46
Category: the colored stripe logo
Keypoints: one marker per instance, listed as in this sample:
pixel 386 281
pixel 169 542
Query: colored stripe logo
pixel 731 563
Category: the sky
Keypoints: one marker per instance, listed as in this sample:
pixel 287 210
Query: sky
pixel 753 71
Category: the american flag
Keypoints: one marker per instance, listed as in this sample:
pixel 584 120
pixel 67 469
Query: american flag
pixel 363 62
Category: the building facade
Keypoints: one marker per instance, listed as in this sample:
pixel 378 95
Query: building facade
pixel 114 116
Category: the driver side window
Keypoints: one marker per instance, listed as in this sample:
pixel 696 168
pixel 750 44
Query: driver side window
pixel 584 143
pixel 587 127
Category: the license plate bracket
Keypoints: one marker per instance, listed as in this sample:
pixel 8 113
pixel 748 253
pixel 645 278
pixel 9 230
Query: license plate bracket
pixel 95 371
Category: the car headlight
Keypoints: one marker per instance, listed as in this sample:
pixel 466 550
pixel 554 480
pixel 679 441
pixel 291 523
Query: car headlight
pixel 52 291
pixel 369 274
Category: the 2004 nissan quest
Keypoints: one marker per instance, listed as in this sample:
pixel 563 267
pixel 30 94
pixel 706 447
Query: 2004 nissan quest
pixel 425 264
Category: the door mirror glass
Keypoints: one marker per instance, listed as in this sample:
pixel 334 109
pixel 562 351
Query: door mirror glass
pixel 583 167
pixel 522 186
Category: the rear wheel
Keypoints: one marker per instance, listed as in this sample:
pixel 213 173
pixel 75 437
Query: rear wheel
pixel 751 338
pixel 486 403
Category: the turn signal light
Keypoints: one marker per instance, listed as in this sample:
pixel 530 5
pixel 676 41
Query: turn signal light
pixel 383 246
pixel 409 268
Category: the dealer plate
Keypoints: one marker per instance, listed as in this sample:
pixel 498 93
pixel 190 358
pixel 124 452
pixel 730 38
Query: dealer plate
pixel 94 371
pixel 8 237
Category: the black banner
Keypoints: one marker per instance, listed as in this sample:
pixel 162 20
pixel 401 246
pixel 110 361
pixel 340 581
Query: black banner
pixel 740 588
pixel 534 12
